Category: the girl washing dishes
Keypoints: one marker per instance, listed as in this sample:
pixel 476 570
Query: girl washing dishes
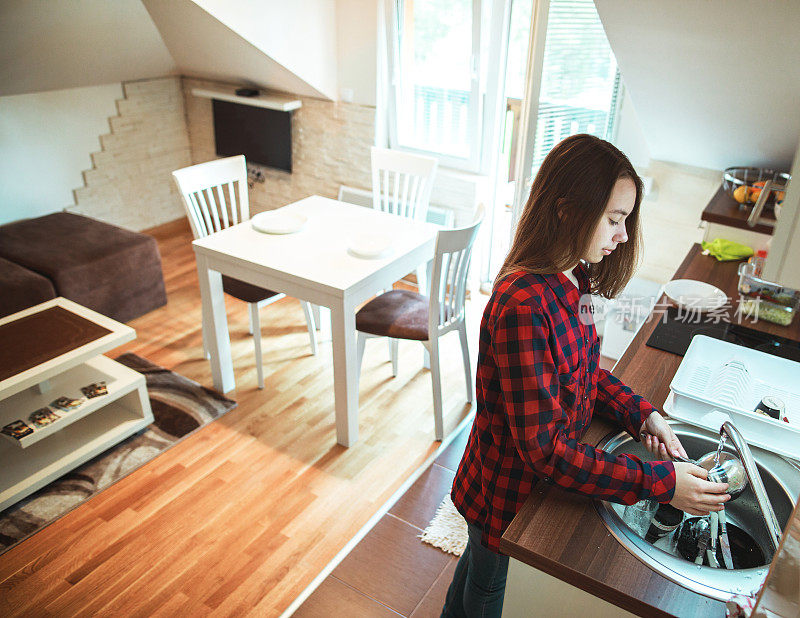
pixel 538 380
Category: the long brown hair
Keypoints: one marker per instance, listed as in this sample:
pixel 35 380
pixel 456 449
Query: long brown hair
pixel 568 198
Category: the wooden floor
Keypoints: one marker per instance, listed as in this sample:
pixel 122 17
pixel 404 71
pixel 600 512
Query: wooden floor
pixel 239 517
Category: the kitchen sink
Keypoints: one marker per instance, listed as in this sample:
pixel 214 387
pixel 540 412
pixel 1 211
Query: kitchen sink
pixel 782 482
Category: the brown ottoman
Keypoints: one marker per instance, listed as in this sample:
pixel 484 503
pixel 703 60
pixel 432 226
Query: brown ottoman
pixel 21 288
pixel 114 271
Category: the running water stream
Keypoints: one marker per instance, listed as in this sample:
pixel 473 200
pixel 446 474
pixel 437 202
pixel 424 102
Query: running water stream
pixel 724 541
pixel 721 446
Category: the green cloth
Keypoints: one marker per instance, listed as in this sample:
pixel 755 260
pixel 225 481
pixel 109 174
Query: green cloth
pixel 726 250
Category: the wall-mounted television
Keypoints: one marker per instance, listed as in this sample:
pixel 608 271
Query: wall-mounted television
pixel 263 136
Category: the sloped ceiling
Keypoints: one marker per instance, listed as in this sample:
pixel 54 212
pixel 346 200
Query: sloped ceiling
pixel 299 35
pixel 56 44
pixel 272 44
pixel 714 84
pixel 229 41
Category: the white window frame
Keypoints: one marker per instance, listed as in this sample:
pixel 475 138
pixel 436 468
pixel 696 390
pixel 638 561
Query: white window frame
pixel 476 121
pixel 530 112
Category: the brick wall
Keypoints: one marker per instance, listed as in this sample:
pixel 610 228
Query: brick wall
pixel 330 147
pixel 461 192
pixel 130 184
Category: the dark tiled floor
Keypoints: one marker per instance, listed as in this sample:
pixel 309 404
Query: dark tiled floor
pixel 335 598
pixel 391 572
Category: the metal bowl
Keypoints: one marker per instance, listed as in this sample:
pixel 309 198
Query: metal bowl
pixel 735 177
pixel 729 470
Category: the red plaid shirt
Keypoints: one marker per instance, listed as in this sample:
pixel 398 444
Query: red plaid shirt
pixel 538 384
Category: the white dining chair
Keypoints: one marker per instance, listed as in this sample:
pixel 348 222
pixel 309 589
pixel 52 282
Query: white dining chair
pixel 402 314
pixel 401 185
pixel 215 195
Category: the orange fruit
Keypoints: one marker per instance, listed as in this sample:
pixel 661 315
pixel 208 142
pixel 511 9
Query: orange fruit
pixel 740 194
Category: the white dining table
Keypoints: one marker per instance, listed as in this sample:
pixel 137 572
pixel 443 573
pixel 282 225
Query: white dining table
pixel 322 264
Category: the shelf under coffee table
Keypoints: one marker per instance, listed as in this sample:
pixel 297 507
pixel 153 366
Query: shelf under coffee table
pixel 58 346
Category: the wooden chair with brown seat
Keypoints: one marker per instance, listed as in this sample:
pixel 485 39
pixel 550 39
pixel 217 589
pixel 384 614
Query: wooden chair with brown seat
pixel 402 314
pixel 215 195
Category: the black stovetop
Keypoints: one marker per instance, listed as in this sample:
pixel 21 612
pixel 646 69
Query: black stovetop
pixel 674 333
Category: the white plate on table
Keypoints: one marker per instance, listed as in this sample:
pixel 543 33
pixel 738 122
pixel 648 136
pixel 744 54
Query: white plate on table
pixel 370 246
pixel 277 222
pixel 696 295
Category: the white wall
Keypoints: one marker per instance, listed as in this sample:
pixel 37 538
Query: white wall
pixel 630 138
pixel 357 45
pixel 715 84
pixel 45 143
pixel 670 216
pixel 58 44
pixel 783 261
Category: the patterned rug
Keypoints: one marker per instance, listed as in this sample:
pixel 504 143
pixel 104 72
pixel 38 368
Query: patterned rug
pixel 180 407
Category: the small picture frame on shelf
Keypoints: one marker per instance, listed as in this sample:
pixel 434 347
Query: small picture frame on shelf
pixel 67 404
pixel 95 390
pixel 17 429
pixel 43 417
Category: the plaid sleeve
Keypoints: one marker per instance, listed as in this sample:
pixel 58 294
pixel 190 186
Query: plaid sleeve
pixel 618 402
pixel 539 425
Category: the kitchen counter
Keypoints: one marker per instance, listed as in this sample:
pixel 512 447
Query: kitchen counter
pixel 561 533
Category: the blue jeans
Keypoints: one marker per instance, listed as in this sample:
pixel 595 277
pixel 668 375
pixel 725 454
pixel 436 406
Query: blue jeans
pixel 479 583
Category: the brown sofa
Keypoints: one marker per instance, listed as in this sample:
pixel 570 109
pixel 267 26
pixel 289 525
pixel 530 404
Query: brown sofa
pixel 111 270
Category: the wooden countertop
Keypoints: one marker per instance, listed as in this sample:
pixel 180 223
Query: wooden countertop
pixel 562 534
pixel 725 210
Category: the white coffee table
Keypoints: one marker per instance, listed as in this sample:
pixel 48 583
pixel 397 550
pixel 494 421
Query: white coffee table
pixel 315 264
pixel 75 360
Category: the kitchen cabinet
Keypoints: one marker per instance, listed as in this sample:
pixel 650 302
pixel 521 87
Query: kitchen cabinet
pixel 551 596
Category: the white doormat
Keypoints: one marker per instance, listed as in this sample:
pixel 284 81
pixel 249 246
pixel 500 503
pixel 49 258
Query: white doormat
pixel 447 530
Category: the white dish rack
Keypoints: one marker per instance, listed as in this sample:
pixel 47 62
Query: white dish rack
pixel 718 380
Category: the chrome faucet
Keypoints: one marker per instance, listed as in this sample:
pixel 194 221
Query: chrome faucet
pixel 754 478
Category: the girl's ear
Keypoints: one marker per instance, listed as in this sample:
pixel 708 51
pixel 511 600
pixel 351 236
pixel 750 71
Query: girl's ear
pixel 561 208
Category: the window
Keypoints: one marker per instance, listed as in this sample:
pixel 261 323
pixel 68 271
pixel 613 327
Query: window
pixel 435 84
pixel 571 85
pixel 580 82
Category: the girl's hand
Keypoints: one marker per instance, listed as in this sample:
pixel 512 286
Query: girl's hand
pixel 662 441
pixel 694 494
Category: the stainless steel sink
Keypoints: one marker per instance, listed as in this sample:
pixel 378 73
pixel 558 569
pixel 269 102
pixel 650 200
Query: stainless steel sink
pixel 782 482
